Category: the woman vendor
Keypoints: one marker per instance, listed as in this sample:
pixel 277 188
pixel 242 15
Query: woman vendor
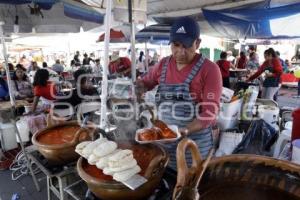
pixel 21 86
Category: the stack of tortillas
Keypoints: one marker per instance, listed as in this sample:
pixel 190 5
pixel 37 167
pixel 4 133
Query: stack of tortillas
pixel 118 163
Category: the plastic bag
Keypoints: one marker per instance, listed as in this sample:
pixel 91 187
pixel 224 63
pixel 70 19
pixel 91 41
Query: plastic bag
pixel 228 115
pixel 249 100
pixel 228 142
pixel 258 140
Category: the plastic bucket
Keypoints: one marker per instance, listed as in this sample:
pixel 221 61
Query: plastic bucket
pixel 296 125
pixel 28 108
pixel 269 113
pixel 296 151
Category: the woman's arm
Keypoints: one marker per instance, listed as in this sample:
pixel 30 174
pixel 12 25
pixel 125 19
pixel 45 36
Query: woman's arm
pixel 35 103
pixel 257 73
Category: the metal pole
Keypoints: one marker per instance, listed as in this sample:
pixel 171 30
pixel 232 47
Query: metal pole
pixel 12 101
pixel 146 56
pixel 106 63
pixel 132 28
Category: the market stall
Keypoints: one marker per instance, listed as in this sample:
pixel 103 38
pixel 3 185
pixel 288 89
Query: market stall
pixel 84 159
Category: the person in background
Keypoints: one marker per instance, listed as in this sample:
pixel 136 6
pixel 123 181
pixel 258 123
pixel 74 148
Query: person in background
pixel 119 65
pixel 154 60
pixel 45 65
pixel 284 66
pixel 82 91
pixel 11 69
pixel 273 70
pixel 21 86
pixel 4 95
pixel 224 66
pixel 288 64
pixel 141 63
pixel 76 61
pixel 24 61
pixel 252 63
pixel 255 58
pixel 241 61
pixel 86 60
pixel 57 67
pixel 32 70
pixel 97 67
pixel 230 57
pixel 186 81
pixel 53 75
pixel 43 88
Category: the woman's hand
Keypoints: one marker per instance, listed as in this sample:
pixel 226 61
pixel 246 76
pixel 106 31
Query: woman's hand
pixel 270 74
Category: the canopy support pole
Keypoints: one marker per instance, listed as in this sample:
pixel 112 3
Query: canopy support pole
pixel 146 56
pixel 132 29
pixel 13 104
pixel 103 117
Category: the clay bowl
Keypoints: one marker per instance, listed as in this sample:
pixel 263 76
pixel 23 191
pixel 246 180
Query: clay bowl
pixel 151 158
pixel 250 177
pixel 57 143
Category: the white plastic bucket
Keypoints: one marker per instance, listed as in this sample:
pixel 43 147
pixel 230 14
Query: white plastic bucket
pixel 269 114
pixel 296 151
pixel 28 108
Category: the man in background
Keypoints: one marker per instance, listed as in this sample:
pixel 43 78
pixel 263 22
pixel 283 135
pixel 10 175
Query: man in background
pixel 119 65
pixel 57 67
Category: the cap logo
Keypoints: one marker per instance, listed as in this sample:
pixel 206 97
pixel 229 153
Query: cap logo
pixel 181 30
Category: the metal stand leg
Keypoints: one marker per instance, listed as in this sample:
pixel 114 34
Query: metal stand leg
pixel 12 100
pixel 25 153
pixel 62 184
pixel 48 188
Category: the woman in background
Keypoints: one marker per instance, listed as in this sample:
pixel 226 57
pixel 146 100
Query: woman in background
pixel 224 66
pixel 273 70
pixel 241 61
pixel 43 88
pixel 21 86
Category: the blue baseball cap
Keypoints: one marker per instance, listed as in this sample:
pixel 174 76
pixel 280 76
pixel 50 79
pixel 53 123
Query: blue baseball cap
pixel 184 30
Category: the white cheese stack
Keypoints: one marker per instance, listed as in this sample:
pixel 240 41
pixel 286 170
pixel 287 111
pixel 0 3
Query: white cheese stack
pixel 104 154
pixel 122 166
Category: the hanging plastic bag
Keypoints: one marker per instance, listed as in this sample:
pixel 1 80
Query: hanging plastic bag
pixel 258 140
pixel 248 103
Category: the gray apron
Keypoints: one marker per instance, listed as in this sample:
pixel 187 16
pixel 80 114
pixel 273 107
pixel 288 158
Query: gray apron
pixel 176 106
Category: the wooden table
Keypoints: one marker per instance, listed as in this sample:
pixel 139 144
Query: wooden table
pixel 6 105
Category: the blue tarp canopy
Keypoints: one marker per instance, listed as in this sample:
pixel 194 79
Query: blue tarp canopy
pixel 255 21
pixel 53 16
pixel 155 34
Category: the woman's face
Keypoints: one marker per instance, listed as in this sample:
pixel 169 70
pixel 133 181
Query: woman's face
pixel 268 57
pixel 20 74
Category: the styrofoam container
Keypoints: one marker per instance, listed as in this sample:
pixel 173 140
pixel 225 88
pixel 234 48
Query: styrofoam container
pixel 296 151
pixel 172 127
